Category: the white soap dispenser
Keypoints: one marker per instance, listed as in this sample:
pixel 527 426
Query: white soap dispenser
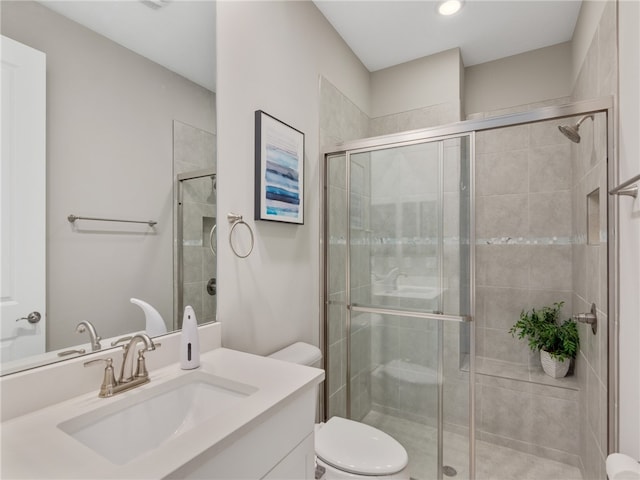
pixel 189 344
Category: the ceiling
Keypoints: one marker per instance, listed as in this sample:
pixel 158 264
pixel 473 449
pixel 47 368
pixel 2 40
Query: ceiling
pixel 180 34
pixel 386 33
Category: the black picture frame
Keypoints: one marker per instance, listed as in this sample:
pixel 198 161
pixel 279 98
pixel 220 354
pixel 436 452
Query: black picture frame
pixel 279 170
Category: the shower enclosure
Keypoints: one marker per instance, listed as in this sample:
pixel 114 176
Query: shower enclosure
pixel 402 226
pixel 194 208
pixel 432 239
pixel 195 245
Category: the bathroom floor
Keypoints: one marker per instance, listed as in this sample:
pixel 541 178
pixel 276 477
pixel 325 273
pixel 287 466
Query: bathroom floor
pixel 493 462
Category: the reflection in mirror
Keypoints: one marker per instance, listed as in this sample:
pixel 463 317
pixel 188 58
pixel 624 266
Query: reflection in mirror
pixel 195 222
pixel 119 130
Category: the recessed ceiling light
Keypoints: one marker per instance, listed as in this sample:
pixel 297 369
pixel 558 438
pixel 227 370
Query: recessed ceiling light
pixel 449 7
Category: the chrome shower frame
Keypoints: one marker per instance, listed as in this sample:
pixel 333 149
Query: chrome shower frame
pixel 589 107
pixel 179 240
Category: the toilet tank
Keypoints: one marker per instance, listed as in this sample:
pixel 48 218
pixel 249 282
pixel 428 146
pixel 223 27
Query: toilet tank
pixel 300 353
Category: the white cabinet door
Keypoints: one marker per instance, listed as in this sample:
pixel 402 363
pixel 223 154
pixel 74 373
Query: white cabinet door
pixel 298 465
pixel 22 197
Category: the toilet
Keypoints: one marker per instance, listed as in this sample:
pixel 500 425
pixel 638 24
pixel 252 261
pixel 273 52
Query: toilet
pixel 346 448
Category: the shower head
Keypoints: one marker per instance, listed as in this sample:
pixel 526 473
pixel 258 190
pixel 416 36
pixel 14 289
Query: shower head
pixel 571 131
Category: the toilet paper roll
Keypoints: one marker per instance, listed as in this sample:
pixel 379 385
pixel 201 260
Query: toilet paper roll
pixel 622 467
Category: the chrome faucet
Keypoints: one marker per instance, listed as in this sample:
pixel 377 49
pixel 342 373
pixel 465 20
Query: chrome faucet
pixel 148 345
pixel 112 386
pixel 87 326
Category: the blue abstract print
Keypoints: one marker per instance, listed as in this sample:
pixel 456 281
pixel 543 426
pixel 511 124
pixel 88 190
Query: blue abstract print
pixel 282 182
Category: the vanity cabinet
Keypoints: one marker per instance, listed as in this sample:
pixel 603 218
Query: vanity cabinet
pixel 279 446
pixel 256 421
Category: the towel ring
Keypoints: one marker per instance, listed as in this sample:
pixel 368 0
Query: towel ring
pixel 236 219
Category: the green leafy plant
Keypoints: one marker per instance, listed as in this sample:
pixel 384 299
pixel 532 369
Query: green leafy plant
pixel 544 331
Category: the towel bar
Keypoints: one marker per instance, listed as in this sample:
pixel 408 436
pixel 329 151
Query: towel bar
pixel 630 188
pixel 72 218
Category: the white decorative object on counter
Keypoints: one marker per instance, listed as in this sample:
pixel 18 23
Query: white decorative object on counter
pixel 154 324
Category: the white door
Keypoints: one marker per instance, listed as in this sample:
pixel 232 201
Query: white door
pixel 22 180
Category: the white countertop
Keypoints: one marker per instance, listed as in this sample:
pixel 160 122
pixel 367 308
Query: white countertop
pixel 34 447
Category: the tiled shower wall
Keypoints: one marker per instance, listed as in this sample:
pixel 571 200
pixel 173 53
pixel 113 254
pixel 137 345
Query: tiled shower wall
pixel 575 407
pixel 431 116
pixel 524 260
pixel 597 78
pixel 523 232
pixel 341 120
pixel 194 149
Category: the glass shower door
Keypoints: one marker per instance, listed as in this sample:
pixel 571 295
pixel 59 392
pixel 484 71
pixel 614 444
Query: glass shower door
pixel 399 289
pixel 196 282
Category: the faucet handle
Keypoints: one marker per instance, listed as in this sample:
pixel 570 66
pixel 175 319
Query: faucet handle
pixel 79 351
pixel 141 367
pixel 109 379
pixel 108 361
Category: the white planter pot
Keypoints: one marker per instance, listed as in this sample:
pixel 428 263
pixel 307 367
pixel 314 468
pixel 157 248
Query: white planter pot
pixel 553 367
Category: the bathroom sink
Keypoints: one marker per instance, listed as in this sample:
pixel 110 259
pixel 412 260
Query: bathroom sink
pixel 126 428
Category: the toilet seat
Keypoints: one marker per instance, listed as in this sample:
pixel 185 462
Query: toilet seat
pixel 359 449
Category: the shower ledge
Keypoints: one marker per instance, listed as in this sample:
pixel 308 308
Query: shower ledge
pixel 524 373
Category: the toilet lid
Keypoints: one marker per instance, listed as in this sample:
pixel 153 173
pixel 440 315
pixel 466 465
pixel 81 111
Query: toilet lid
pixel 358 448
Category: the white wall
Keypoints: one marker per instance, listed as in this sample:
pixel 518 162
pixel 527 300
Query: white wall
pixel 526 78
pixel 419 83
pixel 629 155
pixel 110 119
pixel 270 57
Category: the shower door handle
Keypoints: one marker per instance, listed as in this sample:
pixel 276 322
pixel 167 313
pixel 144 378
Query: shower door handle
pixel 411 313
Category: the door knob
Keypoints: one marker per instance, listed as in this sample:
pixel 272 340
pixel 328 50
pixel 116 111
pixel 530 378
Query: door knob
pixel 33 317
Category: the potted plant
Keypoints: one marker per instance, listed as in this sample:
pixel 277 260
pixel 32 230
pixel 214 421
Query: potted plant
pixel 557 341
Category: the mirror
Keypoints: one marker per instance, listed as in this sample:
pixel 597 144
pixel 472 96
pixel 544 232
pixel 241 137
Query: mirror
pixel 122 123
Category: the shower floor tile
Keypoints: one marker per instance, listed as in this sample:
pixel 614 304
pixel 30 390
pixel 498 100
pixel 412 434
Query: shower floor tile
pixel 493 462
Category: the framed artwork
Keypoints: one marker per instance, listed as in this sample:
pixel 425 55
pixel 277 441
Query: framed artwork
pixel 279 175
